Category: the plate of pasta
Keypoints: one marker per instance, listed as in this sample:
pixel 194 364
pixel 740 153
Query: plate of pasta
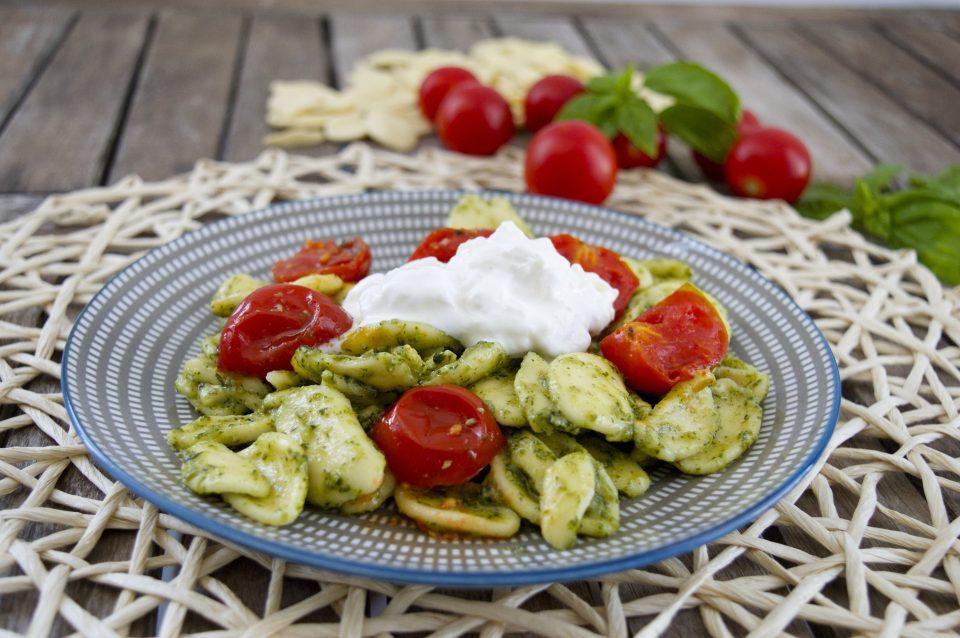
pixel 462 389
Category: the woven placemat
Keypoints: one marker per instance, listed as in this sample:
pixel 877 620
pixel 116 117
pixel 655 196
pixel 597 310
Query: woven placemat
pixel 867 544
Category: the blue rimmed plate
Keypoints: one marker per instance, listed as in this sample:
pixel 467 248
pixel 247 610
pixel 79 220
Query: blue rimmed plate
pixel 128 344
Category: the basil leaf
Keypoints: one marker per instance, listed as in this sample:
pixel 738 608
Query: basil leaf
pixel 870 211
pixel 701 129
pixel 624 83
pixel 588 107
pixel 637 121
pixel 819 201
pixel 946 183
pixel 931 226
pixel 692 85
pixel 608 127
pixel 610 83
pixel 924 217
pixel 881 176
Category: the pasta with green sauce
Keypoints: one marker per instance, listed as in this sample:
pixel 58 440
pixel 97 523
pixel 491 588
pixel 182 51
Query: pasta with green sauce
pixel 575 437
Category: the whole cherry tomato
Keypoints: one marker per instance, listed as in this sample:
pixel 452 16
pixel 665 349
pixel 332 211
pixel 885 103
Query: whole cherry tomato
pixel 602 261
pixel 629 156
pixel 272 322
pixel 768 163
pixel 438 83
pixel 350 261
pixel 571 159
pixel 444 242
pixel 545 99
pixel 438 435
pixel 474 119
pixel 714 170
pixel 668 343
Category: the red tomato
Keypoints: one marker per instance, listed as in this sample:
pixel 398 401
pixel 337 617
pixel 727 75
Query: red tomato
pixel 571 159
pixel 602 261
pixel 545 99
pixel 350 261
pixel 437 84
pixel 474 119
pixel 272 322
pixel 629 156
pixel 438 435
pixel 444 242
pixel 668 343
pixel 714 170
pixel 768 163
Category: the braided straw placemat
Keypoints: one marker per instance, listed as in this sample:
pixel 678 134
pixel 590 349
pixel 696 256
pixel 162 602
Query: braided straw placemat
pixel 867 545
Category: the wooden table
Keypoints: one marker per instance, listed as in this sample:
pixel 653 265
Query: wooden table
pixel 89 95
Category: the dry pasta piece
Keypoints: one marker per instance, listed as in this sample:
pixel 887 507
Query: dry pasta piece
pixel 294 138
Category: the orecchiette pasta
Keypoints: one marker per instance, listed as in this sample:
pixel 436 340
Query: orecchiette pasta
pixel 577 439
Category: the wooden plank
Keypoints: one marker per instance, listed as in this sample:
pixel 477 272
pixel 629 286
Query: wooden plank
pixel 59 137
pixel 356 36
pixel 624 41
pixel 454 32
pixel 27 39
pixel 179 109
pixel 906 80
pixel 837 158
pixel 936 47
pixel 545 28
pixel 888 132
pixel 278 48
pixel 662 9
pixel 15 205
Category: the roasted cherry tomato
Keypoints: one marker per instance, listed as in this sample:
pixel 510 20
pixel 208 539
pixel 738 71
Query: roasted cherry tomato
pixel 668 343
pixel 272 322
pixel 545 99
pixel 444 242
pixel 602 261
pixel 768 163
pixel 629 156
pixel 714 170
pixel 349 261
pixel 438 435
pixel 474 119
pixel 437 84
pixel 571 159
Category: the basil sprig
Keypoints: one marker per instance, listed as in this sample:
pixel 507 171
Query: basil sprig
pixel 924 216
pixel 704 112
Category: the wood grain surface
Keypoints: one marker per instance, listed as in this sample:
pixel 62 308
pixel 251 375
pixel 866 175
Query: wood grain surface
pixel 89 94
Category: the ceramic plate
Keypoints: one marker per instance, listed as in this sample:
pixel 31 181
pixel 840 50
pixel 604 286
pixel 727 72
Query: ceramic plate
pixel 127 345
